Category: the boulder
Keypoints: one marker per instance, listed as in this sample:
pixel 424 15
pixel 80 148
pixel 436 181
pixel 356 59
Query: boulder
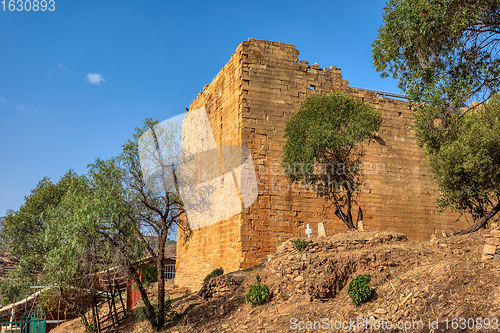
pixel 489 249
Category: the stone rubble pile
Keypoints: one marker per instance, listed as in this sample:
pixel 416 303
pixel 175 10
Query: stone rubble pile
pixel 220 285
pixel 491 248
pixel 326 245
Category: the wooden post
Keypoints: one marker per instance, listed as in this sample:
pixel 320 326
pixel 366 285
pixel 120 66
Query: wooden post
pixel 95 313
pixel 112 307
pixel 121 300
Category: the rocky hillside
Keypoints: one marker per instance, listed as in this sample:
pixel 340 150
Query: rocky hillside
pixel 442 285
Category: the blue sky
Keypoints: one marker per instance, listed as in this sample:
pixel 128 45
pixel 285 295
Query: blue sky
pixel 76 82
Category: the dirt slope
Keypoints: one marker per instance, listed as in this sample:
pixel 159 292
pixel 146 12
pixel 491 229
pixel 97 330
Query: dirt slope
pixel 413 283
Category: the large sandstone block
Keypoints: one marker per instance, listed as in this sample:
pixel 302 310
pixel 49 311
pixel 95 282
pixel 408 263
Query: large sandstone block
pixel 489 249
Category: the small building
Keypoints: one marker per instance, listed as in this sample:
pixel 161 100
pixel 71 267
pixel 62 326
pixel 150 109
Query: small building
pixel 17 311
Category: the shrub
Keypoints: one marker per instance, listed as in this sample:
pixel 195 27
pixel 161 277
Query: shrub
pixel 215 272
pixel 168 312
pixel 257 294
pixel 149 275
pixel 88 328
pixel 359 289
pixel 300 244
pixel 140 311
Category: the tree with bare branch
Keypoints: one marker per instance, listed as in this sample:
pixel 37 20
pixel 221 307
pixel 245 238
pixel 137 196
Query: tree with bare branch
pixel 154 201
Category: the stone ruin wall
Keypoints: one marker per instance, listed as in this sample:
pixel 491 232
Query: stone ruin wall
pixel 219 244
pixel 248 103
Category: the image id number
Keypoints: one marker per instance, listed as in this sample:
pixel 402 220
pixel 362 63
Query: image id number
pixel 28 5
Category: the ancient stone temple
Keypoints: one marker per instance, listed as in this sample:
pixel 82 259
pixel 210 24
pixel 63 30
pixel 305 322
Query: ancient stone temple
pixel 248 104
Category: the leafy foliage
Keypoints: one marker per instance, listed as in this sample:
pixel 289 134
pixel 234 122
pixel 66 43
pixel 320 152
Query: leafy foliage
pixel 465 158
pixel 444 52
pixel 322 147
pixel 299 244
pixel 154 210
pixel 24 231
pixel 142 314
pixel 58 234
pixel 258 293
pixel 89 328
pixel 214 273
pixel 169 313
pixel 84 224
pixel 10 291
pixel 359 289
pixel 149 274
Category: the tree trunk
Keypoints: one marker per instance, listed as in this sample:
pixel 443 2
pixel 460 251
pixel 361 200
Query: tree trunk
pixel 344 219
pixel 94 313
pixel 150 311
pixel 482 222
pixel 349 207
pixel 161 280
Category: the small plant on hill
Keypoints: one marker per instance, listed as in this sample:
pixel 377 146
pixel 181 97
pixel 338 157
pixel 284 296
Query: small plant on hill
pixel 140 311
pixel 359 289
pixel 258 293
pixel 215 272
pixel 89 328
pixel 169 313
pixel 300 244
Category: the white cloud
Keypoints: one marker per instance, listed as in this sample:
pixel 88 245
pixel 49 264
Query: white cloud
pixel 3 100
pixel 19 107
pixel 60 66
pixel 95 78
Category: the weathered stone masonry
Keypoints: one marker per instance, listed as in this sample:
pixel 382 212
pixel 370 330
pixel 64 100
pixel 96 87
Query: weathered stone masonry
pixel 248 103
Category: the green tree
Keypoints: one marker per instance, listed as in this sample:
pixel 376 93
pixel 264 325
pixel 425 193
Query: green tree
pixel 323 148
pixel 445 55
pixel 443 52
pixel 24 233
pixel 67 232
pixel 53 244
pixel 466 163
